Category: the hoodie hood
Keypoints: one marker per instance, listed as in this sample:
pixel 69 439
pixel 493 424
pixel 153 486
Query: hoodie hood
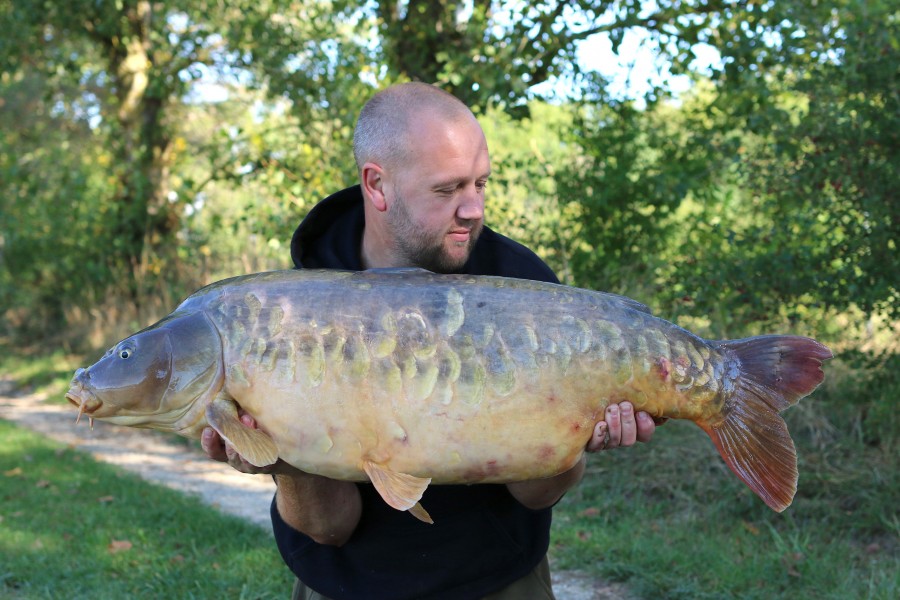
pixel 330 236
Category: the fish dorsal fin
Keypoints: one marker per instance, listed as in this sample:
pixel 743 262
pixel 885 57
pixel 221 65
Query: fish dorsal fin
pixel 399 271
pixel 627 302
pixel 254 445
pixel 399 490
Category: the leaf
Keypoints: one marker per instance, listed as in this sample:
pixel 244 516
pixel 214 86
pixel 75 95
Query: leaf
pixel 751 528
pixel 105 499
pixel 117 546
pixel 13 472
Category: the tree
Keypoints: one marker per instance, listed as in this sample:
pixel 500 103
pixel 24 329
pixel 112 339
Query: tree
pixel 108 80
pixel 487 52
pixel 807 109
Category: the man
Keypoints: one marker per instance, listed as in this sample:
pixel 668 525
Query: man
pixel 423 166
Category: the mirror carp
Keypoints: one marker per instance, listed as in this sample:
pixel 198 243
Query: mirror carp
pixel 405 378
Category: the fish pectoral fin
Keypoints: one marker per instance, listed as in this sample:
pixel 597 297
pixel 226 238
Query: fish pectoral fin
pixel 254 445
pixel 399 490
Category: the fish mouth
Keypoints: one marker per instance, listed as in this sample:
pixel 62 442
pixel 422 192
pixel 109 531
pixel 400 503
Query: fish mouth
pixel 85 400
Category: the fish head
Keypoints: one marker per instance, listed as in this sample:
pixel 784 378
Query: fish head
pixel 152 378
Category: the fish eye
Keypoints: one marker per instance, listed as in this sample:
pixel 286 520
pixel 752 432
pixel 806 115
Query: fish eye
pixel 124 353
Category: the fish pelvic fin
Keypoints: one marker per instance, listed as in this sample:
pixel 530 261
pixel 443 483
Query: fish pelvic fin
pixel 254 445
pixel 399 490
pixel 775 372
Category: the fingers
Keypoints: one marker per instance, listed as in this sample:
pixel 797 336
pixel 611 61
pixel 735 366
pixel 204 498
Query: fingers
pixel 629 425
pixel 622 427
pixel 645 427
pixel 600 438
pixel 216 448
pixel 213 445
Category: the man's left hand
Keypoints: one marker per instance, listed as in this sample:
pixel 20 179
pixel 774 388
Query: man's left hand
pixel 622 427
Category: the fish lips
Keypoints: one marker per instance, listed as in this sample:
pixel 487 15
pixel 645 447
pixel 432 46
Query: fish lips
pixel 82 397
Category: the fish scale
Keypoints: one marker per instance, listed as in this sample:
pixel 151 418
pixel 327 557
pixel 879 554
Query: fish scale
pixel 407 378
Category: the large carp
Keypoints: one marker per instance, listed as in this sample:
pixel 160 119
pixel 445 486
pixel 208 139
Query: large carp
pixel 404 378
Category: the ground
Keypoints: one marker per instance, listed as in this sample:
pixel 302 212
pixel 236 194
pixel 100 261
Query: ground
pixel 168 461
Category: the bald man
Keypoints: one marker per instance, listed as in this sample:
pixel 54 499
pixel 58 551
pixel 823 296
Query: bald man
pixel 423 167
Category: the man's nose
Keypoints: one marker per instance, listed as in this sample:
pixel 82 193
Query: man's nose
pixel 471 208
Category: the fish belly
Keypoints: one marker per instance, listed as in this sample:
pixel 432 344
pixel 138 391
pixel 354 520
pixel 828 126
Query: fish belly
pixel 459 379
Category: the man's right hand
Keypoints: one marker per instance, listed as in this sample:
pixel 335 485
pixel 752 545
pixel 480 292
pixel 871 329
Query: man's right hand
pixel 216 448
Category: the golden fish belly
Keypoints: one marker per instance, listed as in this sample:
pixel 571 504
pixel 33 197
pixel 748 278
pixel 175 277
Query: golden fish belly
pixel 497 381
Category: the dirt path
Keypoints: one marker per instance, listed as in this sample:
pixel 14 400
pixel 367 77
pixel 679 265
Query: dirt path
pixel 163 460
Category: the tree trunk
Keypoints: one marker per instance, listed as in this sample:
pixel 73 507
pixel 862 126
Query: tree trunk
pixel 144 219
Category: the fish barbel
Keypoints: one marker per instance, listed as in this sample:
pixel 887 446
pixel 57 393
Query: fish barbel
pixel 404 378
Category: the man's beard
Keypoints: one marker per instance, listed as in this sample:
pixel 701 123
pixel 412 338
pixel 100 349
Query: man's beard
pixel 422 248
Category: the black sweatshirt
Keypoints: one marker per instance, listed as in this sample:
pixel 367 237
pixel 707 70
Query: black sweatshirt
pixel 482 538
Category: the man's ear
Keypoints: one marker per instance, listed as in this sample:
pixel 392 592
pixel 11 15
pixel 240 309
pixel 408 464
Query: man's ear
pixel 372 180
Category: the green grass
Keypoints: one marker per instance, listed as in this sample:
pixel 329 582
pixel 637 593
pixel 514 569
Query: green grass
pixel 73 528
pixel 671 521
pixel 46 371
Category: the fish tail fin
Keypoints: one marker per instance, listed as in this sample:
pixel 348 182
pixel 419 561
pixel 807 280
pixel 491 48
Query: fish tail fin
pixel 775 372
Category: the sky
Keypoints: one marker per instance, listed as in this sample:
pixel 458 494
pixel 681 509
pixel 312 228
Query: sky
pixel 635 69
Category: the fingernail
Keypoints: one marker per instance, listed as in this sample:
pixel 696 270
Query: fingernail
pixel 613 409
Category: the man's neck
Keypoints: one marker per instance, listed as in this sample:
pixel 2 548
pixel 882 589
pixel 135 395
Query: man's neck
pixel 374 255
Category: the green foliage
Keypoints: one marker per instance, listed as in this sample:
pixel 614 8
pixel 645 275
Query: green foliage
pixel 47 370
pixel 97 175
pixel 868 384
pixel 523 202
pixel 77 529
pixel 808 111
pixel 53 231
pixel 752 181
pixel 634 169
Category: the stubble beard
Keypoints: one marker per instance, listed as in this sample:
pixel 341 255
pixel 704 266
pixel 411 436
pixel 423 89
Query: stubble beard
pixel 425 249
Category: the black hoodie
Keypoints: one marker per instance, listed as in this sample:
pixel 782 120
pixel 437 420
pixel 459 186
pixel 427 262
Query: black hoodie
pixel 482 539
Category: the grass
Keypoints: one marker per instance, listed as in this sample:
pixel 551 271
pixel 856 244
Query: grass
pixel 668 519
pixel 49 371
pixel 74 528
pixel 671 521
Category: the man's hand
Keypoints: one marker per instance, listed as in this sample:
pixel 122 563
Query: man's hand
pixel 621 428
pixel 216 448
pixel 325 509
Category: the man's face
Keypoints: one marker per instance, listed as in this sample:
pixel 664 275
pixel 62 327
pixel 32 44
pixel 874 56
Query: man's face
pixel 436 201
